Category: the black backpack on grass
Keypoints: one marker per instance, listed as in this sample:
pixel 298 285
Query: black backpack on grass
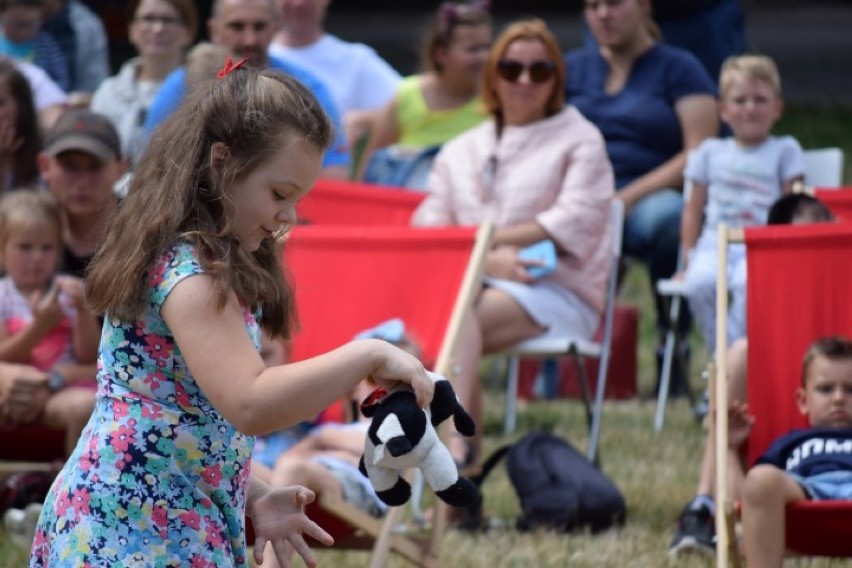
pixel 558 488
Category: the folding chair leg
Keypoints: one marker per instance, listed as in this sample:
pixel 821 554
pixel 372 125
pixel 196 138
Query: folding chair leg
pixel 668 361
pixel 509 421
pixel 584 386
pixel 730 525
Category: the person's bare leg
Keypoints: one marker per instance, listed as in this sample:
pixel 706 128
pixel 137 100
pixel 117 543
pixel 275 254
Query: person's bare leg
pixel 737 373
pixel 766 492
pixel 70 409
pixel 464 377
pixel 300 471
pixel 503 321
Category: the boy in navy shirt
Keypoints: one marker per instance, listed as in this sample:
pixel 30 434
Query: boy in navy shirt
pixel 811 463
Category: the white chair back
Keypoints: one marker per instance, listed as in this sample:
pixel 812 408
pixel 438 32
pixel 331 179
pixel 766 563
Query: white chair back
pixel 824 167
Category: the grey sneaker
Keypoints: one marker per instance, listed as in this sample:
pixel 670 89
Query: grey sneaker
pixel 696 531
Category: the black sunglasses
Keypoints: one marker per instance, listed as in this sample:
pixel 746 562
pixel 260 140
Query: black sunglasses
pixel 539 71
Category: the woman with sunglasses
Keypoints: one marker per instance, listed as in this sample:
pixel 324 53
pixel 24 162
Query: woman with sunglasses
pixel 653 103
pixel 539 172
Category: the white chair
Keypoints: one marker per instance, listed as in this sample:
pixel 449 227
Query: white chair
pixel 823 168
pixel 550 347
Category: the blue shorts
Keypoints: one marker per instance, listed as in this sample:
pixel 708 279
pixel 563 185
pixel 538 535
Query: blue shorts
pixel 832 485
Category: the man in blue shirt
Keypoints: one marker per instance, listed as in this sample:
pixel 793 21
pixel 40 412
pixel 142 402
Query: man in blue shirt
pixel 245 28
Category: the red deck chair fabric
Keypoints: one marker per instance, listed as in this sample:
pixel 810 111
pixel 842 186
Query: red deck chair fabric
pixel 32 443
pixel 339 202
pixel 798 290
pixel 349 278
pixel 838 201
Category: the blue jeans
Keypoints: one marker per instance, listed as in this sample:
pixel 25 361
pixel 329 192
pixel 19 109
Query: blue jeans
pixel 652 234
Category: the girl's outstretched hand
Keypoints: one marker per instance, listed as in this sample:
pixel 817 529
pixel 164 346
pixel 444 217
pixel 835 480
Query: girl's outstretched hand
pixel 397 366
pixel 278 515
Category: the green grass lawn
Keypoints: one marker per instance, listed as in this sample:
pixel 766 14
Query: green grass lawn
pixel 656 472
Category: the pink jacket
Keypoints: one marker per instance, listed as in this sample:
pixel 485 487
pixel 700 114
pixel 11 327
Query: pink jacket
pixel 554 171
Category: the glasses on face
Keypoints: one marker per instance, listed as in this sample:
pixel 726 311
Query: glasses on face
pixel 539 71
pixel 150 20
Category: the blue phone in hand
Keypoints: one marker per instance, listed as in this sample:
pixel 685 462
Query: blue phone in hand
pixel 543 252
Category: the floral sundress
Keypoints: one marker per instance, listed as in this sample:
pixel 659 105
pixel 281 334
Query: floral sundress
pixel 159 477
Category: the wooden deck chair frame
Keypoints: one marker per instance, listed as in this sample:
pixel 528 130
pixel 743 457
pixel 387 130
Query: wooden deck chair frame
pixel 578 349
pixel 725 544
pixel 423 551
pixel 725 518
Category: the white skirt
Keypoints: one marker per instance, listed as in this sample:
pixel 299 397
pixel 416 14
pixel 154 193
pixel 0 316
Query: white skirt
pixel 551 306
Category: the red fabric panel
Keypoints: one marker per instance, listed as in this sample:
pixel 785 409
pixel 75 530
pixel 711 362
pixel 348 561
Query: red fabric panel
pixel 350 278
pixel 339 202
pixel 838 201
pixel 798 290
pixel 620 376
pixel 819 528
pixel 32 442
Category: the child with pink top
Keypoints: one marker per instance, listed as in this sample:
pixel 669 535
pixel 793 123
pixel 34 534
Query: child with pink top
pixel 44 320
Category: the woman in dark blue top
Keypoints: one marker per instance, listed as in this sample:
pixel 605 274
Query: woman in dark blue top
pixel 652 103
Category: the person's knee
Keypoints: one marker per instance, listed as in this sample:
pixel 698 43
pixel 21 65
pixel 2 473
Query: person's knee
pixel 763 483
pixel 655 215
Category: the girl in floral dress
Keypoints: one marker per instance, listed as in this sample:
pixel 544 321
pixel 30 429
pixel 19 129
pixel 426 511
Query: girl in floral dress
pixel 187 276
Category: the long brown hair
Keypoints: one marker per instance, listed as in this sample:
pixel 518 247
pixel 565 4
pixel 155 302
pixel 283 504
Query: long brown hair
pixel 25 163
pixel 177 194
pixel 536 30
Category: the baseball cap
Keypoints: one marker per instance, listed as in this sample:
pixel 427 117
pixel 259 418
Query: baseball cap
pixel 85 131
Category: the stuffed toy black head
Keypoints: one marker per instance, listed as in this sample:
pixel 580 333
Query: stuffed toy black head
pixel 402 436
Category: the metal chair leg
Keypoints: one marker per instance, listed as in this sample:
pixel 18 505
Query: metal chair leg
pixel 510 420
pixel 585 391
pixel 668 360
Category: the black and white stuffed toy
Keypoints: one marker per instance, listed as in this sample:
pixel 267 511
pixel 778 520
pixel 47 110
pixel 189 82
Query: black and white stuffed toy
pixel 402 436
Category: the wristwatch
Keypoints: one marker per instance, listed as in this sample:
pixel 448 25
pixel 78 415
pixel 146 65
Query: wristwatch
pixel 55 381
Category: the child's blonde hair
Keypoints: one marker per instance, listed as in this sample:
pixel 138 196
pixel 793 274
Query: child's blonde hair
pixel 203 62
pixel 751 67
pixel 23 209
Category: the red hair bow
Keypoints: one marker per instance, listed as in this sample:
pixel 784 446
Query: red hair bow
pixel 230 66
